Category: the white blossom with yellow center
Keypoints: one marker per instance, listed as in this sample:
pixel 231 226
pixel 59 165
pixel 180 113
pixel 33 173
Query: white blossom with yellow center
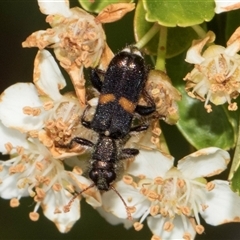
pixel 215 77
pixel 171 198
pixel 32 171
pixel 37 123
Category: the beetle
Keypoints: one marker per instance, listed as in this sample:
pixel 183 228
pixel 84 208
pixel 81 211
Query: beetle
pixel 124 82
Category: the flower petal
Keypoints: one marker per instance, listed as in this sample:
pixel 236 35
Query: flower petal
pixel 204 163
pixel 223 205
pixel 150 164
pixel 114 12
pixel 111 202
pixel 113 220
pixel 156 225
pixel 225 6
pixel 47 75
pixel 12 102
pixel 53 209
pixel 55 7
pixel 233 44
pixel 9 184
pixel 12 136
pixel 194 52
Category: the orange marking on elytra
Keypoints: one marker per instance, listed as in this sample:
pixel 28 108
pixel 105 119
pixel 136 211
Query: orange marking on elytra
pixel 106 98
pixel 127 105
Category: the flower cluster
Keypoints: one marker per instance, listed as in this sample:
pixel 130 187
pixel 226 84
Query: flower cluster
pixel 77 37
pixel 38 123
pixel 215 77
pixel 171 198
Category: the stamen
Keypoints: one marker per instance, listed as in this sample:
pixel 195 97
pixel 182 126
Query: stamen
pixel 138 226
pixel 157 131
pixel 163 212
pixel 210 186
pixel 14 202
pixel 39 166
pixel 181 183
pixel 57 187
pixel 185 210
pixel 187 236
pixel 152 196
pixel 199 229
pixel 127 179
pixel 8 146
pixel 34 216
pixel 19 168
pixel 144 216
pixel 141 176
pixel 154 210
pixel 155 237
pixel 20 150
pixel 77 170
pixel 40 194
pixel 232 106
pixel 154 140
pixel 48 105
pixel 32 111
pixel 168 226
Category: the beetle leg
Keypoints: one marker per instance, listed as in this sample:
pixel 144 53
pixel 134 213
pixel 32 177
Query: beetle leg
pixel 129 153
pixel 146 110
pixel 81 141
pixel 95 79
pixel 139 128
pixel 85 123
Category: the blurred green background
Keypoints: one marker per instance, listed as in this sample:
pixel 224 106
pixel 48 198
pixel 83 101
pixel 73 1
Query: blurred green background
pixel 18 19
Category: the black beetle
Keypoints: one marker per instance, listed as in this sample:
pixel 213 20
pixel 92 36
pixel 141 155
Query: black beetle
pixel 120 91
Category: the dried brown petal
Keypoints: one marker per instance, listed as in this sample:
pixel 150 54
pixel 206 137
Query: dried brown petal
pixel 114 12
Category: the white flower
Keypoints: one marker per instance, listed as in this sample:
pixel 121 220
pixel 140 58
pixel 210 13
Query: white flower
pixel 78 41
pixel 77 37
pixel 215 77
pixel 32 171
pixel 225 6
pixel 41 111
pixel 173 197
pixel 36 124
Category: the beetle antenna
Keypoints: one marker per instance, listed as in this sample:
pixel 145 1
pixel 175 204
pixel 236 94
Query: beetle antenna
pixel 126 206
pixel 67 207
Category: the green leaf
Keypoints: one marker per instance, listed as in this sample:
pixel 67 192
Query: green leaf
pixel 178 12
pixel 178 40
pixel 200 128
pixel 235 181
pixel 204 129
pixel 97 6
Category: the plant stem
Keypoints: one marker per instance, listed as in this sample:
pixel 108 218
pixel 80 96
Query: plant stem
pixel 236 158
pixel 162 49
pixel 148 36
pixel 199 30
